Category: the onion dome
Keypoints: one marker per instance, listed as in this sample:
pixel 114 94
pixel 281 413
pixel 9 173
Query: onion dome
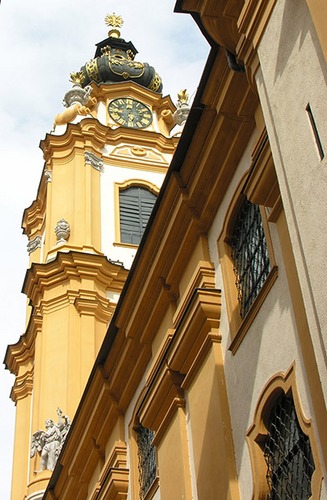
pixel 114 61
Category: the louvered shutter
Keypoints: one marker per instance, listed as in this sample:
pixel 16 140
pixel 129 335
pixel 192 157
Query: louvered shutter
pixel 136 204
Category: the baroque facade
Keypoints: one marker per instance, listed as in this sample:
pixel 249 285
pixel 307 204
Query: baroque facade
pixel 210 380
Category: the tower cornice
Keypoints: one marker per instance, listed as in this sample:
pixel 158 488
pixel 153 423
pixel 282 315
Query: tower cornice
pixel 77 268
pixel 23 386
pixel 34 215
pixel 22 353
pixel 89 134
pixel 134 91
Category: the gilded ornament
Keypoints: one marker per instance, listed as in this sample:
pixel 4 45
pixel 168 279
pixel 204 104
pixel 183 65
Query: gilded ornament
pixel 183 109
pixel 77 78
pixel 130 54
pixel 92 70
pixel 115 22
pixel 183 96
pixel 155 83
pixel 106 50
pixel 121 66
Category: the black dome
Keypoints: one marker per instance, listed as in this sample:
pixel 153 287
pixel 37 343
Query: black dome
pixel 114 62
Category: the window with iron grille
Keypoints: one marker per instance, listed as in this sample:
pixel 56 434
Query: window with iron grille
pixel 288 454
pixel 135 205
pixel 147 459
pixel 249 255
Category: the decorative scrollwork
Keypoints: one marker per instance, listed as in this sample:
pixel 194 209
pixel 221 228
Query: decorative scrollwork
pixel 34 244
pixel 93 160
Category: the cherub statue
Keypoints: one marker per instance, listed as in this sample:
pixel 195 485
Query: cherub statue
pixel 49 442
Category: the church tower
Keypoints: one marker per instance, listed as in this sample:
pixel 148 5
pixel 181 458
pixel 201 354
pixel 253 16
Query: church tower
pixel 105 160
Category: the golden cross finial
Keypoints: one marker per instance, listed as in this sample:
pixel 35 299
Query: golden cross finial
pixel 114 21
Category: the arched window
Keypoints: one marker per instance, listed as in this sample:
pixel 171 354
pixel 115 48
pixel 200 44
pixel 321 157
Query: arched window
pixel 247 261
pixel 249 254
pixel 282 444
pixel 135 207
pixel 287 452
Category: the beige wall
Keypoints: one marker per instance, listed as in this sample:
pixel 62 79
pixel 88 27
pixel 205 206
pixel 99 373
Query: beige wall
pixel 292 75
pixel 290 78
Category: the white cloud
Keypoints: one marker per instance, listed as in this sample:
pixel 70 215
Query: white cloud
pixel 41 43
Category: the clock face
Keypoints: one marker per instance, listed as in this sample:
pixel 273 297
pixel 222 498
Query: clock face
pixel 130 113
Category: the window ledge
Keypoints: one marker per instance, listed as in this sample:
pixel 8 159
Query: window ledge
pixel 126 245
pixel 152 490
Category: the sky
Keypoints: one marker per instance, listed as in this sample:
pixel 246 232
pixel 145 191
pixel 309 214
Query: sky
pixel 41 43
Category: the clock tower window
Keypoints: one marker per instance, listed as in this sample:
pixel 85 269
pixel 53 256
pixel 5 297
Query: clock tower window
pixel 135 207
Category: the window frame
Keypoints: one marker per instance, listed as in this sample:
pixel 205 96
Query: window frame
pixel 121 186
pixel 239 326
pixel 134 458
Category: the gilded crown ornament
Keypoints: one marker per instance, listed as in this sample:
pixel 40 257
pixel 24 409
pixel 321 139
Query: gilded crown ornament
pixel 114 21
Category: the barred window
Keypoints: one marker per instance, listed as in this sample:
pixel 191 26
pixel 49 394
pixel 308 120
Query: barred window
pixel 288 454
pixel 135 204
pixel 249 255
pixel 147 459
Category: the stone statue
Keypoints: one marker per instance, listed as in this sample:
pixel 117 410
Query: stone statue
pixel 49 442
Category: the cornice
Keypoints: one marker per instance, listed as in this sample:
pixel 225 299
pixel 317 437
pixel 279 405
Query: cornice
pixel 146 138
pixel 114 477
pixel 22 353
pixel 89 134
pixel 23 386
pixel 218 19
pixel 254 17
pixel 252 22
pixel 135 91
pixel 34 216
pixel 91 303
pixel 73 266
